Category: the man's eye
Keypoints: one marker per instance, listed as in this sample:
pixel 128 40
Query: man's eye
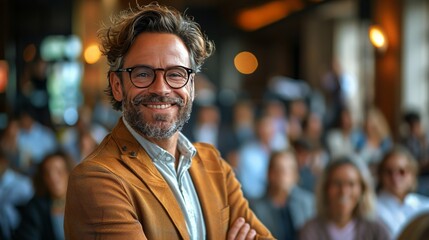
pixel 176 74
pixel 142 74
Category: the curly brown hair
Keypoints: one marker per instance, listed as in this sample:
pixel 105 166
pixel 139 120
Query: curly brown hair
pixel 117 38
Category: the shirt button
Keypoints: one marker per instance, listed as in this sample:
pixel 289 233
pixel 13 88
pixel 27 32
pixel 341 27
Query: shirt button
pixel 168 158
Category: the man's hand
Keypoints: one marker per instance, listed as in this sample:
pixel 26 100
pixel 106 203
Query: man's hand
pixel 241 230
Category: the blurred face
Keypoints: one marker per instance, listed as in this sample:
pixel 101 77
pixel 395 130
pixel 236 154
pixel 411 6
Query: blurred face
pixel 396 176
pixel 87 144
pixel 283 174
pixel 344 190
pixel 294 130
pixel 417 128
pixel 374 125
pixel 209 115
pixel 157 111
pixel 243 114
pixel 266 129
pixel 275 109
pixel 298 109
pixel 346 120
pixel 315 125
pixel 56 176
pixel 26 122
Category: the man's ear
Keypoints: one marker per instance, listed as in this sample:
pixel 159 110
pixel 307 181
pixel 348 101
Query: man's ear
pixel 116 85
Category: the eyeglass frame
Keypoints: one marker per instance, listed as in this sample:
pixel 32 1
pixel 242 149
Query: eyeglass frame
pixel 401 171
pixel 130 69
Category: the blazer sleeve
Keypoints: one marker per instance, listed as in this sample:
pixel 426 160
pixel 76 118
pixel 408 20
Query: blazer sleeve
pixel 227 191
pixel 97 206
pixel 239 206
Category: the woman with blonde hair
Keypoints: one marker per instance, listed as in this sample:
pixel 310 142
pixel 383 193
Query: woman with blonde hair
pixel 345 199
pixel 377 140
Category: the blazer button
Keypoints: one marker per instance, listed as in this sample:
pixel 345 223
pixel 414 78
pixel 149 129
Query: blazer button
pixel 124 148
pixel 133 154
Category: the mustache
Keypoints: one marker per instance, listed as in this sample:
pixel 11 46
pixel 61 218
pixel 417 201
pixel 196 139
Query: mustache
pixel 141 99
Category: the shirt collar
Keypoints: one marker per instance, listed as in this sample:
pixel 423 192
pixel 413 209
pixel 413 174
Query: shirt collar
pixel 156 153
pixel 410 199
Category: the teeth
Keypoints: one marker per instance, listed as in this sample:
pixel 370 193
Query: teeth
pixel 159 106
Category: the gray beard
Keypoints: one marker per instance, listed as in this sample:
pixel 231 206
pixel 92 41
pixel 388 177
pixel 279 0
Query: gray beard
pixel 161 129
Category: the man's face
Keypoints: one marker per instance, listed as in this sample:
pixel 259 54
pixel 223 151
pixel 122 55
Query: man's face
pixel 397 176
pixel 284 172
pixel 157 112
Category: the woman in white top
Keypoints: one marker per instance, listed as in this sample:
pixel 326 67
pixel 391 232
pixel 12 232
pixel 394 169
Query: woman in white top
pixel 396 202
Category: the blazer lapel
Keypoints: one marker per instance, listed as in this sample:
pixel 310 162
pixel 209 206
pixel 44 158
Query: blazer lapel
pixel 139 163
pixel 209 202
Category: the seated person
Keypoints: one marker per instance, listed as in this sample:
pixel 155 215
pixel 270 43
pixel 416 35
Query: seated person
pixel 15 191
pixel 344 205
pixel 254 157
pixel 43 216
pixel 285 206
pixel 396 201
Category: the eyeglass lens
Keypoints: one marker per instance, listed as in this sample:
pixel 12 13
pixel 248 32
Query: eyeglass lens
pixel 143 76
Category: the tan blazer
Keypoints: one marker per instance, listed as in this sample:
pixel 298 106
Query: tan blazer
pixel 118 193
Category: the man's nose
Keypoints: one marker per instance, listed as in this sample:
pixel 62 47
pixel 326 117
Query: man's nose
pixel 159 85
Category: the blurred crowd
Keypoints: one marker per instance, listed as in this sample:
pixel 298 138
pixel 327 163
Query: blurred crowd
pixel 35 161
pixel 307 174
pixel 313 175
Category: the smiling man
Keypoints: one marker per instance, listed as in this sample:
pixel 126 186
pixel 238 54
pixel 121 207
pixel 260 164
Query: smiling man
pixel 146 180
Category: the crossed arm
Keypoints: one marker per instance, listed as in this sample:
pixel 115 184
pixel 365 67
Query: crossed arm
pixel 102 205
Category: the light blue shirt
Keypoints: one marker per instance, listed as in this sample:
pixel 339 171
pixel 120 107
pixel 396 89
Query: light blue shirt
pixel 35 144
pixel 396 214
pixel 180 181
pixel 15 189
pixel 252 169
pixel 57 225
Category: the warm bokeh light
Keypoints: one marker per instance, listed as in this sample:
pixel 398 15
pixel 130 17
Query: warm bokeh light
pixel 257 17
pixel 246 62
pixel 92 54
pixel 4 69
pixel 29 52
pixel 377 37
pixel 109 5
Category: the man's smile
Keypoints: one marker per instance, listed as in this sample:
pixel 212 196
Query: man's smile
pixel 158 106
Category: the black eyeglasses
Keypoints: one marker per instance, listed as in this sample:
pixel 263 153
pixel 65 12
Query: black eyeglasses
pixel 143 76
